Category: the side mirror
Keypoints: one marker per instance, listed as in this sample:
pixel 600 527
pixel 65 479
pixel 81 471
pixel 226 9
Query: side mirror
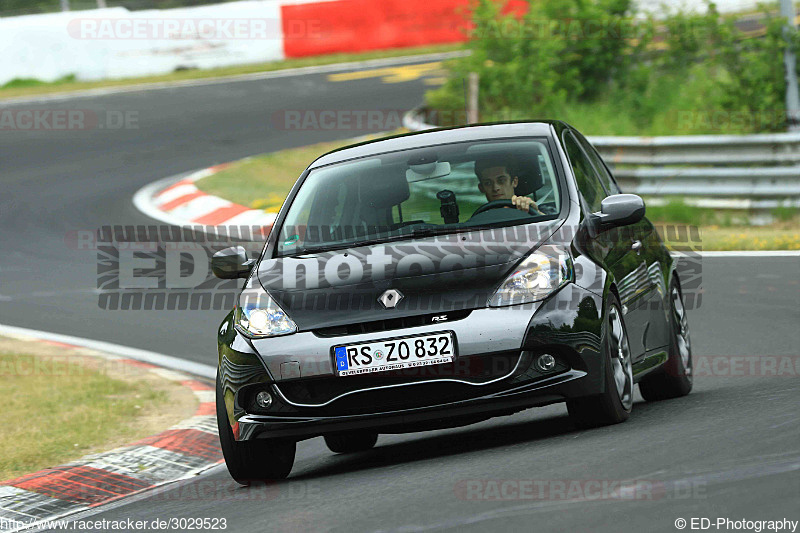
pixel 231 263
pixel 620 210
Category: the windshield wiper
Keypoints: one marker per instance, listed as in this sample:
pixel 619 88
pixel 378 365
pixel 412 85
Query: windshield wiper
pixel 417 233
pixel 310 249
pixel 430 232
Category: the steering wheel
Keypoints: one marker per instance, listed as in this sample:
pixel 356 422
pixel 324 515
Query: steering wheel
pixel 498 204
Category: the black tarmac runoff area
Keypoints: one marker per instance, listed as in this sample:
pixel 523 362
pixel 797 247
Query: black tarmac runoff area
pixel 729 450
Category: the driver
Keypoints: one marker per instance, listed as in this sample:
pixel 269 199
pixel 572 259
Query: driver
pixel 497 181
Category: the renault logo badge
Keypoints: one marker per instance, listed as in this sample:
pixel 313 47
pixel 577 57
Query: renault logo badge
pixel 390 298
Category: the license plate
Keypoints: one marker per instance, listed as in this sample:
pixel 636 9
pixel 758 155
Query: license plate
pixel 394 354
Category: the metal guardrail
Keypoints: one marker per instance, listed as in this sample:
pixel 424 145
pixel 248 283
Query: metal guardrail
pixel 770 149
pixel 720 171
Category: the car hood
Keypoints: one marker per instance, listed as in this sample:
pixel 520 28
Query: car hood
pixel 445 273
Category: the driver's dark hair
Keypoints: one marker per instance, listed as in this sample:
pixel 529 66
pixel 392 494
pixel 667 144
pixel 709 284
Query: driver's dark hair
pixel 492 161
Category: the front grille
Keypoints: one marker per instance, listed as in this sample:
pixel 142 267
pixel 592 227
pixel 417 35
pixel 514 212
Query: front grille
pixel 390 324
pixel 422 395
pixel 477 369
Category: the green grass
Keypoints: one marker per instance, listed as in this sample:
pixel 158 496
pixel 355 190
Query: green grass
pixel 690 103
pixel 24 83
pixel 674 105
pixel 727 229
pixel 32 87
pixel 676 211
pixel 714 238
pixel 56 410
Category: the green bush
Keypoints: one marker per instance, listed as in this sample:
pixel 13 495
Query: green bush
pixel 597 65
pixel 785 214
pixel 559 51
pixel 756 84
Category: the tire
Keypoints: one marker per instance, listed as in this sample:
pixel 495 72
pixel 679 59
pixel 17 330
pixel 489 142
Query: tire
pixel 675 378
pixel 351 442
pixel 614 404
pixel 252 460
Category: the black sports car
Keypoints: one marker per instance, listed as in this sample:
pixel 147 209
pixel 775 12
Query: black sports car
pixel 441 278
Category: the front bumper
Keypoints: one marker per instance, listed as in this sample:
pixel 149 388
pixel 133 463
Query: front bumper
pixel 554 390
pixel 567 324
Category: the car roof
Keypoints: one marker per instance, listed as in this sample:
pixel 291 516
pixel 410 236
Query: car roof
pixel 441 136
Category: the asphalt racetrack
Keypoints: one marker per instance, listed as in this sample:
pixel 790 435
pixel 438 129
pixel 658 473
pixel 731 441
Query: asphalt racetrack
pixel 730 449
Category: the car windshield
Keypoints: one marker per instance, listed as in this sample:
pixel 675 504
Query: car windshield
pixel 422 192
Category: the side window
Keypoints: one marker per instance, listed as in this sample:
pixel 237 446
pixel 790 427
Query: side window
pixel 587 181
pixel 602 171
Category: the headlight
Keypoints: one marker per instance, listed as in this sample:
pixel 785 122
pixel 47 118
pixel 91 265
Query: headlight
pixel 258 315
pixel 535 278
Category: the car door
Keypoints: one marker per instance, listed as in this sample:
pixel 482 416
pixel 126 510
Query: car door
pixel 652 252
pixel 614 248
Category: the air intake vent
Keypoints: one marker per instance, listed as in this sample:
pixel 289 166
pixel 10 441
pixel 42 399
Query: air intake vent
pixel 391 323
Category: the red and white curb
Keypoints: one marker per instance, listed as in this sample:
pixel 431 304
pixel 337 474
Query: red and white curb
pixel 184 450
pixel 178 201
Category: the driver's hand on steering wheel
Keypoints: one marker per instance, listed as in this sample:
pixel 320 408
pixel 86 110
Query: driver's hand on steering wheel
pixel 523 203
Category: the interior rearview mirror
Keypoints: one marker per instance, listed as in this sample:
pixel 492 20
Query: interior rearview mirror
pixel 231 263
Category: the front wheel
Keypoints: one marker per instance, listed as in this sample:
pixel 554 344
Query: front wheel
pixel 675 379
pixel 615 403
pixel 252 460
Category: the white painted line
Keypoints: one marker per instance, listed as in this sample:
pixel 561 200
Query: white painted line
pixel 284 73
pixel 83 514
pixel 142 200
pixel 170 375
pixel 205 423
pixel 83 511
pixel 206 172
pixel 251 218
pixel 174 193
pixel 742 253
pixel 166 361
pixel 198 207
pixel 205 396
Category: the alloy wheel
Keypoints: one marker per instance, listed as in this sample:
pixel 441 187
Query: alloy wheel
pixel 680 325
pixel 620 352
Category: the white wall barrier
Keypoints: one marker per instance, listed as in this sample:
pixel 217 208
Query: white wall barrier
pixel 117 43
